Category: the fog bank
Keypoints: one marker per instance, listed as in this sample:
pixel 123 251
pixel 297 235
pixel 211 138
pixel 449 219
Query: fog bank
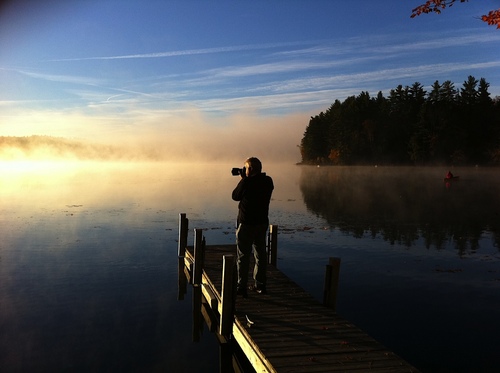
pixel 186 136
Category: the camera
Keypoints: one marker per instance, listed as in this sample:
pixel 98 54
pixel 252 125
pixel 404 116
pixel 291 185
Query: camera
pixel 239 171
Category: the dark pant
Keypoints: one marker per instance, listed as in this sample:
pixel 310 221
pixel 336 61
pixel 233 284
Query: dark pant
pixel 248 237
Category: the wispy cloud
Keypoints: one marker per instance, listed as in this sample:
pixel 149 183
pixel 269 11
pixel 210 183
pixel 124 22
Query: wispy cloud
pixel 381 44
pixel 324 47
pixel 188 52
pixel 59 78
pixel 100 84
pixel 287 66
pixel 360 79
pixel 291 75
pixel 434 43
pixel 293 94
pixel 360 51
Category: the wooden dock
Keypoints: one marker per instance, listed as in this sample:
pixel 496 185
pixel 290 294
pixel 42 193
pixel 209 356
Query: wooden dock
pixel 285 330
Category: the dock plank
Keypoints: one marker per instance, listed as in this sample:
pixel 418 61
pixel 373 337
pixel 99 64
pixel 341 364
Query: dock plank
pixel 290 331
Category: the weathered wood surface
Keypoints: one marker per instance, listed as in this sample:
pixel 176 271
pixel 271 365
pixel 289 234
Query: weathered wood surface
pixel 290 331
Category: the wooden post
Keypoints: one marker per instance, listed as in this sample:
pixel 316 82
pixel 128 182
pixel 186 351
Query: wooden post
pixel 197 321
pixel 183 233
pixel 226 358
pixel 272 245
pixel 199 247
pixel 226 309
pixel 331 283
pixel 181 279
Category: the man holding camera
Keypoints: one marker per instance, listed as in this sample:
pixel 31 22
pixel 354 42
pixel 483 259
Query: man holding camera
pixel 254 194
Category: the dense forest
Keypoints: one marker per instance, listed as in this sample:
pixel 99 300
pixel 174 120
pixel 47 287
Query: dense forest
pixel 412 126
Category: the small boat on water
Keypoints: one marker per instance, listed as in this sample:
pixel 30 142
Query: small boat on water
pixel 450 177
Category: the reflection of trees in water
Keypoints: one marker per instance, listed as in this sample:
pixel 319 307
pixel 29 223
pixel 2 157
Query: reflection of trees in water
pixel 405 204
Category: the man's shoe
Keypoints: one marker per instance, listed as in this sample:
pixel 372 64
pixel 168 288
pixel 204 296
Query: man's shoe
pixel 259 289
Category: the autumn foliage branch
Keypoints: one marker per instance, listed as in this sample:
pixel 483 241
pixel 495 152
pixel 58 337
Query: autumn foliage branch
pixel 436 6
pixel 492 18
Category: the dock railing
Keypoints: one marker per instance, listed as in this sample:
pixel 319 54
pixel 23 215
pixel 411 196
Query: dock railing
pixel 191 267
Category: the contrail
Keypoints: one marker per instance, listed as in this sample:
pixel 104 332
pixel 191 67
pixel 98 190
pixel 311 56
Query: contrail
pixel 185 52
pixel 111 97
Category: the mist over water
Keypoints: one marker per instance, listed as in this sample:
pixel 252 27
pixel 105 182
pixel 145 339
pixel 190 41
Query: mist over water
pixel 405 204
pixel 186 137
pixel 88 268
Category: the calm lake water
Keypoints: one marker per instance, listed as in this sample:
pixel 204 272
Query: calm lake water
pixel 88 266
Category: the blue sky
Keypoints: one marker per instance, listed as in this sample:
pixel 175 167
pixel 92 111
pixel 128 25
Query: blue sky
pixel 235 77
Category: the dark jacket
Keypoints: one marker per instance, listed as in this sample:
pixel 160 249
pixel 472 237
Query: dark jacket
pixel 254 195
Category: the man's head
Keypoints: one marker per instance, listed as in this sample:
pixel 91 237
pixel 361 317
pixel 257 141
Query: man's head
pixel 253 166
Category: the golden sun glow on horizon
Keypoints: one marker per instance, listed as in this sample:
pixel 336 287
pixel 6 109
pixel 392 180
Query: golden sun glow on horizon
pixel 17 177
pixel 27 187
pixel 161 135
pixel 24 166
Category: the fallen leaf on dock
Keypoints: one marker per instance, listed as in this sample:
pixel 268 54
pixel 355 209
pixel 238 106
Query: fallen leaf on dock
pixel 249 322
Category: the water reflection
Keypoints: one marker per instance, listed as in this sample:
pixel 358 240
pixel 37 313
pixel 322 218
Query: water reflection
pixel 403 205
pixel 86 270
pixel 231 357
pixel 88 267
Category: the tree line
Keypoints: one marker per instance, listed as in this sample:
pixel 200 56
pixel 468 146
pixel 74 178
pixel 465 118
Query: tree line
pixel 410 126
